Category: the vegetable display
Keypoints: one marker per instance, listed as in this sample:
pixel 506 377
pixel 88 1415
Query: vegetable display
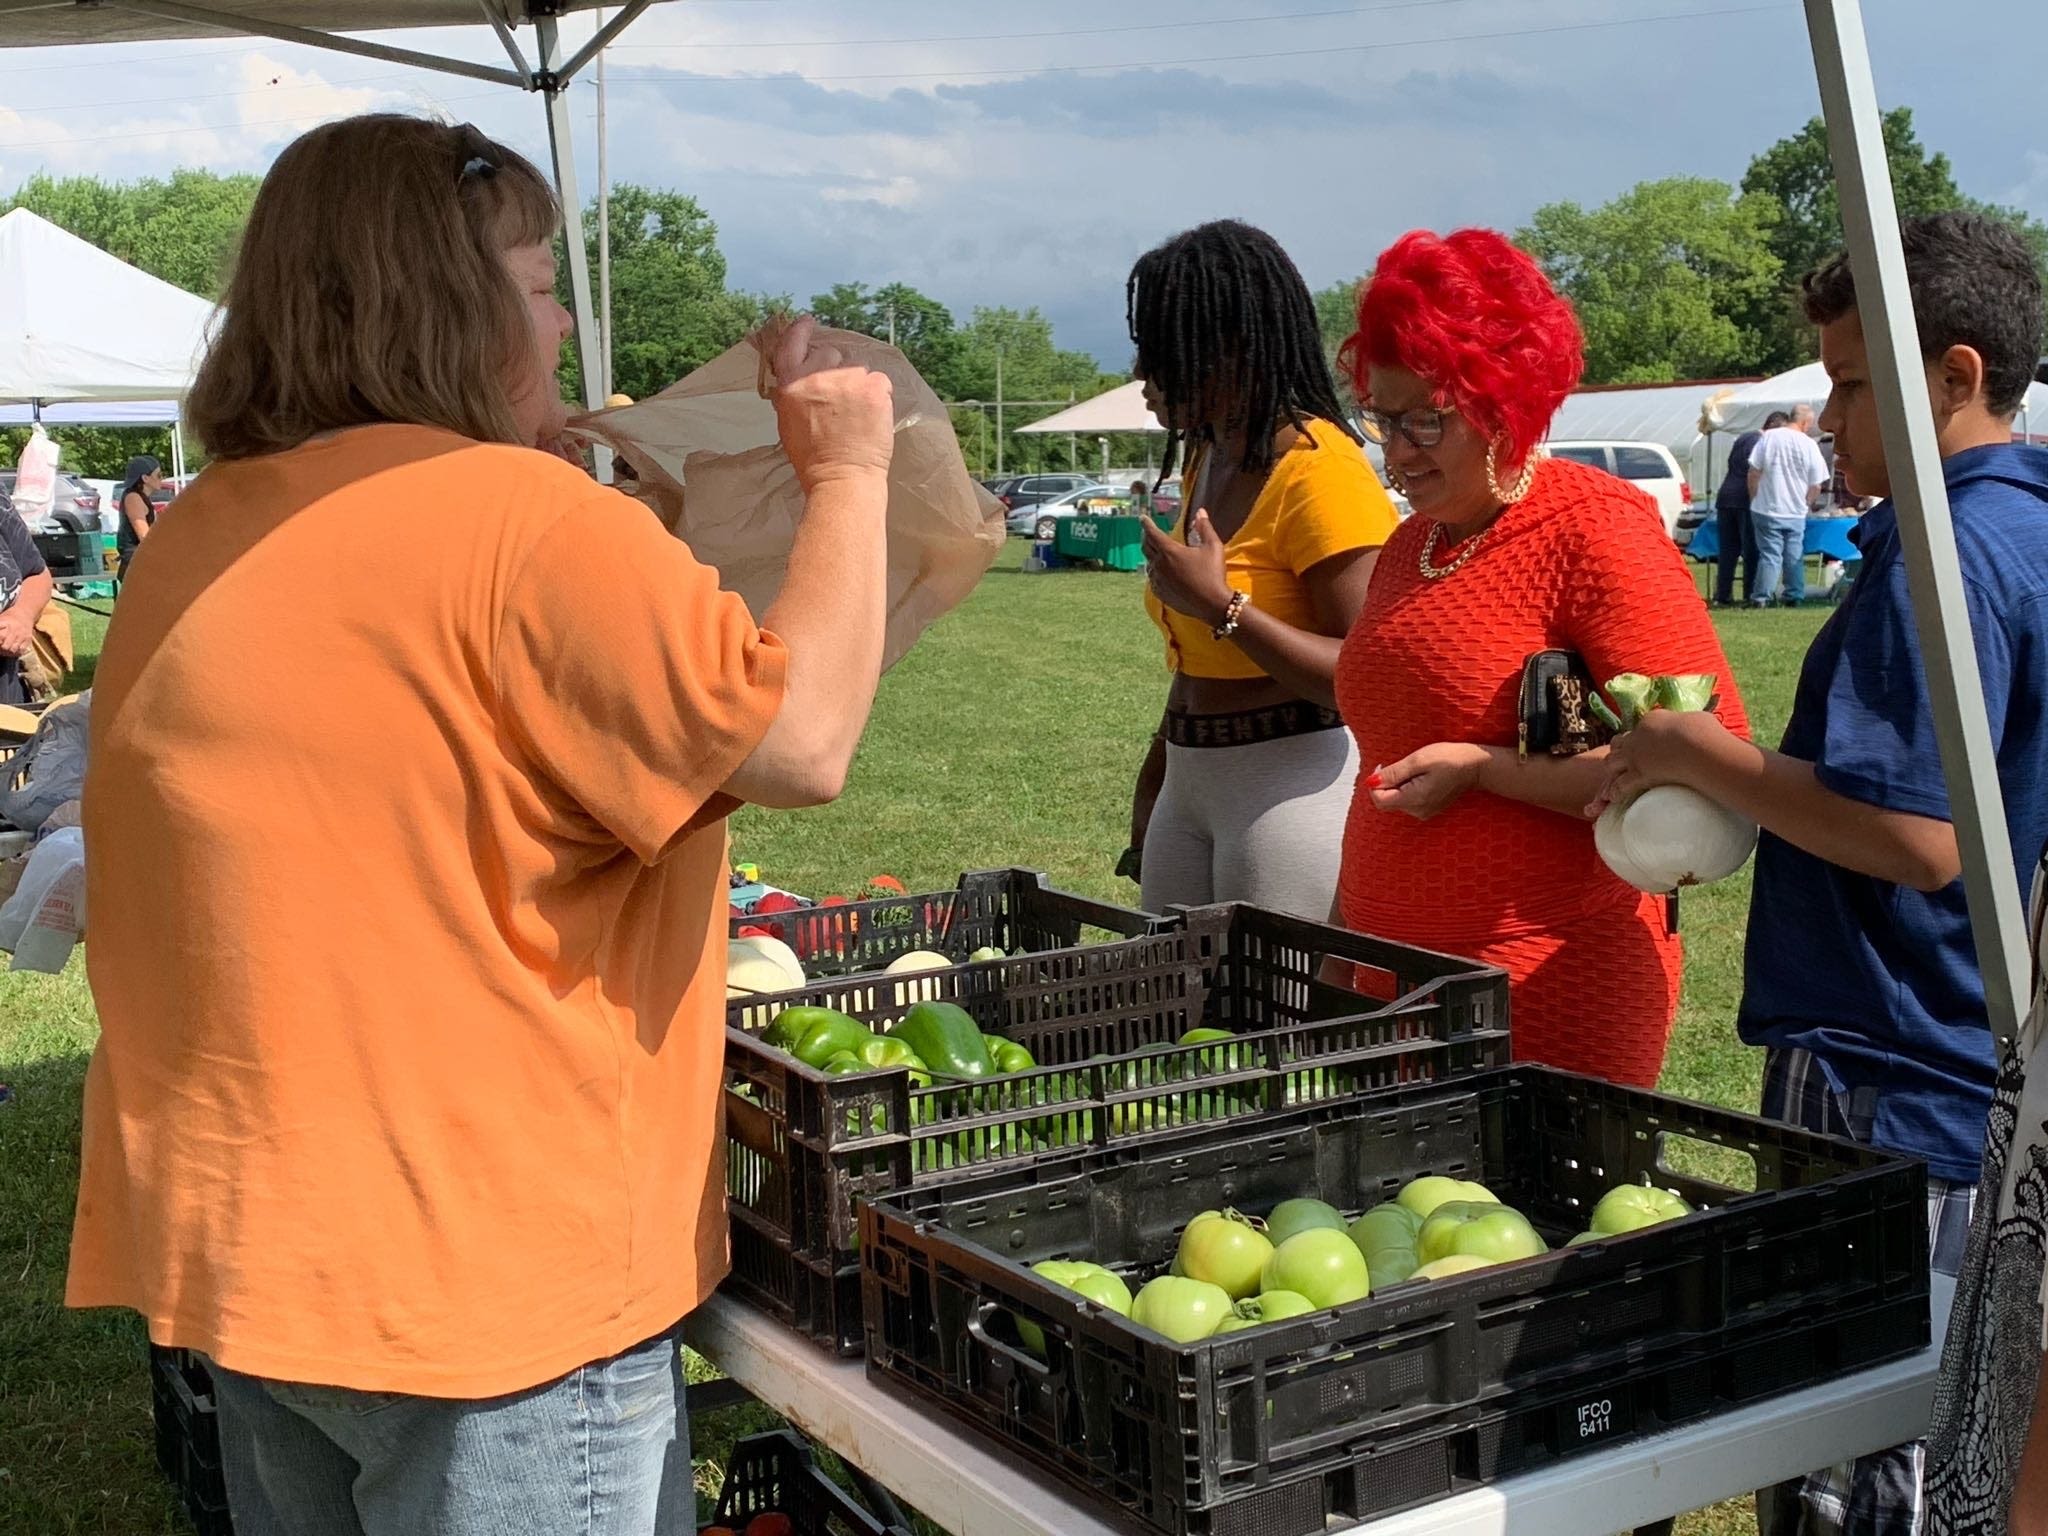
pixel 1666 837
pixel 1229 1275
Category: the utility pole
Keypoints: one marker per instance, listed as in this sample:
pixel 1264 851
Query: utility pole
pixel 892 322
pixel 604 239
pixel 999 408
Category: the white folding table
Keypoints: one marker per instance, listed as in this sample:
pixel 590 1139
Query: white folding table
pixel 962 1482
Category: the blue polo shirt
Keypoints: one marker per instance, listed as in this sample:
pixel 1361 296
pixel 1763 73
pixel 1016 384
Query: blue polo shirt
pixel 1880 982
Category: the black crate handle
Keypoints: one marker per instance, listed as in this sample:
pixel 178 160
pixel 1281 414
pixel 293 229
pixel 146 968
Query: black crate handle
pixel 977 1325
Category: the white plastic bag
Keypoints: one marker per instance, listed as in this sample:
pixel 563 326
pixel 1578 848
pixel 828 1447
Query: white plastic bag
pixel 707 460
pixel 35 476
pixel 45 917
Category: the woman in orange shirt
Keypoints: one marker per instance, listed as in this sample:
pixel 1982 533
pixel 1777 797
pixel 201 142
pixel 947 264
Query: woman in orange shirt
pixel 1463 354
pixel 408 923
pixel 1242 795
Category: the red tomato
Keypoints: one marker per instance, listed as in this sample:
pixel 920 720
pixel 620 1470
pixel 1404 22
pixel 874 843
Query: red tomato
pixel 771 1525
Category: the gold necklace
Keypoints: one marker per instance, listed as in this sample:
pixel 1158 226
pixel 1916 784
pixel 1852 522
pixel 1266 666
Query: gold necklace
pixel 1434 572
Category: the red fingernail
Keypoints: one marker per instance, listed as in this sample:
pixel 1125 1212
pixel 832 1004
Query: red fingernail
pixel 1372 781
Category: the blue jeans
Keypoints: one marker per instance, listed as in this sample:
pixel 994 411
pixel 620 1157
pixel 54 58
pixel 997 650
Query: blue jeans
pixel 1780 551
pixel 605 1451
pixel 1737 531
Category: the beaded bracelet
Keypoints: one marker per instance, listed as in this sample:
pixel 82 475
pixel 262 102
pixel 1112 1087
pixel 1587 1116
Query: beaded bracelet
pixel 1231 615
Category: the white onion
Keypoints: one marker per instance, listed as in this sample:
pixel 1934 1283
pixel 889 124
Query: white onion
pixel 771 948
pixel 1670 836
pixel 917 960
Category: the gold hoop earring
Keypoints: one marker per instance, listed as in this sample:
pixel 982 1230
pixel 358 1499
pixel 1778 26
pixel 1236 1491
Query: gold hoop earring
pixel 1507 496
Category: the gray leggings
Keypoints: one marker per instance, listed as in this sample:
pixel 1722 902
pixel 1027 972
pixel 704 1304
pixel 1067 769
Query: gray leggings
pixel 1262 823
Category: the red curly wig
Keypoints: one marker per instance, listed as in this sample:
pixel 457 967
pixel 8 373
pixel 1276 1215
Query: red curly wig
pixel 1474 316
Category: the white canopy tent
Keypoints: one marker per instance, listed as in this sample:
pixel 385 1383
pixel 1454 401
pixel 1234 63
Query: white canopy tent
pixel 97 413
pixel 328 23
pixel 1118 410
pixel 1641 413
pixel 87 339
pixel 1841 55
pixel 1743 409
pixel 79 324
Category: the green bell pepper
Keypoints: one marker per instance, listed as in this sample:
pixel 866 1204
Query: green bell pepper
pixel 828 1037
pixel 946 1040
pixel 788 1026
pixel 1007 1055
pixel 888 1051
pixel 843 1063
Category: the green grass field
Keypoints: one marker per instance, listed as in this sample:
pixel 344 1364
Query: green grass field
pixel 1009 737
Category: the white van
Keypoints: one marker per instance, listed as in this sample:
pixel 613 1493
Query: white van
pixel 1649 467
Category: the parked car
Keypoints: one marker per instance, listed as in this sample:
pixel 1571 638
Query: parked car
pixel 1649 467
pixel 1040 520
pixel 76 504
pixel 1029 490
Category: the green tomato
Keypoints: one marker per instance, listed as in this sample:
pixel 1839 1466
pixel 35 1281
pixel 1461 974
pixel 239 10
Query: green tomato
pixel 1292 1216
pixel 1455 1264
pixel 1182 1309
pixel 1425 1194
pixel 1099 1285
pixel 986 952
pixel 1480 1229
pixel 1226 1250
pixel 1630 1207
pixel 1222 1059
pixel 1586 1237
pixel 1266 1307
pixel 1390 1266
pixel 1322 1264
pixel 1391 1225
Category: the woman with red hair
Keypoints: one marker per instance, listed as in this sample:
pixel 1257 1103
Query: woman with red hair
pixel 1459 841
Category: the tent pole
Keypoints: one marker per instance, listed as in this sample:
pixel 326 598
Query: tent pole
pixel 555 92
pixel 1870 219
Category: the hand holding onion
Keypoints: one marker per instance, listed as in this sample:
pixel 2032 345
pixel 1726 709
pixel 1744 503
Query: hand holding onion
pixel 1654 829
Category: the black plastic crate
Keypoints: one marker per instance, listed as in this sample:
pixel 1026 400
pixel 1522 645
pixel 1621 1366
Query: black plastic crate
pixel 1006 909
pixel 1431 1387
pixel 803 1147
pixel 774 1473
pixel 188 1437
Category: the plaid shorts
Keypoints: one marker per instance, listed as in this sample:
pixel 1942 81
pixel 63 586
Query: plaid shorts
pixel 1878 1494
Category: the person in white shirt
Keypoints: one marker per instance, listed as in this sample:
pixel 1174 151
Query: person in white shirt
pixel 1787 477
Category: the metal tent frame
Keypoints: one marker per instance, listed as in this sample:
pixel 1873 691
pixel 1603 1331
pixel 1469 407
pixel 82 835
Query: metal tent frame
pixel 1848 92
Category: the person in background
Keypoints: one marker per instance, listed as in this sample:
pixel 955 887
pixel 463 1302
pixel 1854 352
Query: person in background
pixel 1141 498
pixel 25 591
pixel 409 924
pixel 1860 977
pixel 143 478
pixel 1732 520
pixel 1456 842
pixel 1787 475
pixel 1241 796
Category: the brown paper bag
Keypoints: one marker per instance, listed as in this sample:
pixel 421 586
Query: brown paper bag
pixel 704 454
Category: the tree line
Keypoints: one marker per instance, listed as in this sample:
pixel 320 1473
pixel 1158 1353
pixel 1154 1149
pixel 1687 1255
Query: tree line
pixel 1681 278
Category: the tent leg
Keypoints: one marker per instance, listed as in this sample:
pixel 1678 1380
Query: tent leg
pixel 1870 219
pixel 177 452
pixel 562 144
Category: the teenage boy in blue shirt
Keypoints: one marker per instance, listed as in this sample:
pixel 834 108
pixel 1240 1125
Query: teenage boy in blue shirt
pixel 1860 977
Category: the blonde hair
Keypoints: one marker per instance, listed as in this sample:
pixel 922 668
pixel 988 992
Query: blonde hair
pixel 370 286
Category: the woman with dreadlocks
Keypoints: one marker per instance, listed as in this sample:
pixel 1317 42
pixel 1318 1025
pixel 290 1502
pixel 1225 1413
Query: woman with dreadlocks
pixel 1243 794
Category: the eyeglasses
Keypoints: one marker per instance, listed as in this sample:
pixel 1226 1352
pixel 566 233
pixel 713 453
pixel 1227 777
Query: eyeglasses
pixel 1424 426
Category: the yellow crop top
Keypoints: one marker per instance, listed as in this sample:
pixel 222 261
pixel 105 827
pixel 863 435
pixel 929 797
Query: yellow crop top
pixel 1321 499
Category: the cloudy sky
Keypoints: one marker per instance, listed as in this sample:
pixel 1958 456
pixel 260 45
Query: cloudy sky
pixel 1023 154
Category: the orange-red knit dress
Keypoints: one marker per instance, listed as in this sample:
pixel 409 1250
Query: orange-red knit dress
pixel 1581 563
